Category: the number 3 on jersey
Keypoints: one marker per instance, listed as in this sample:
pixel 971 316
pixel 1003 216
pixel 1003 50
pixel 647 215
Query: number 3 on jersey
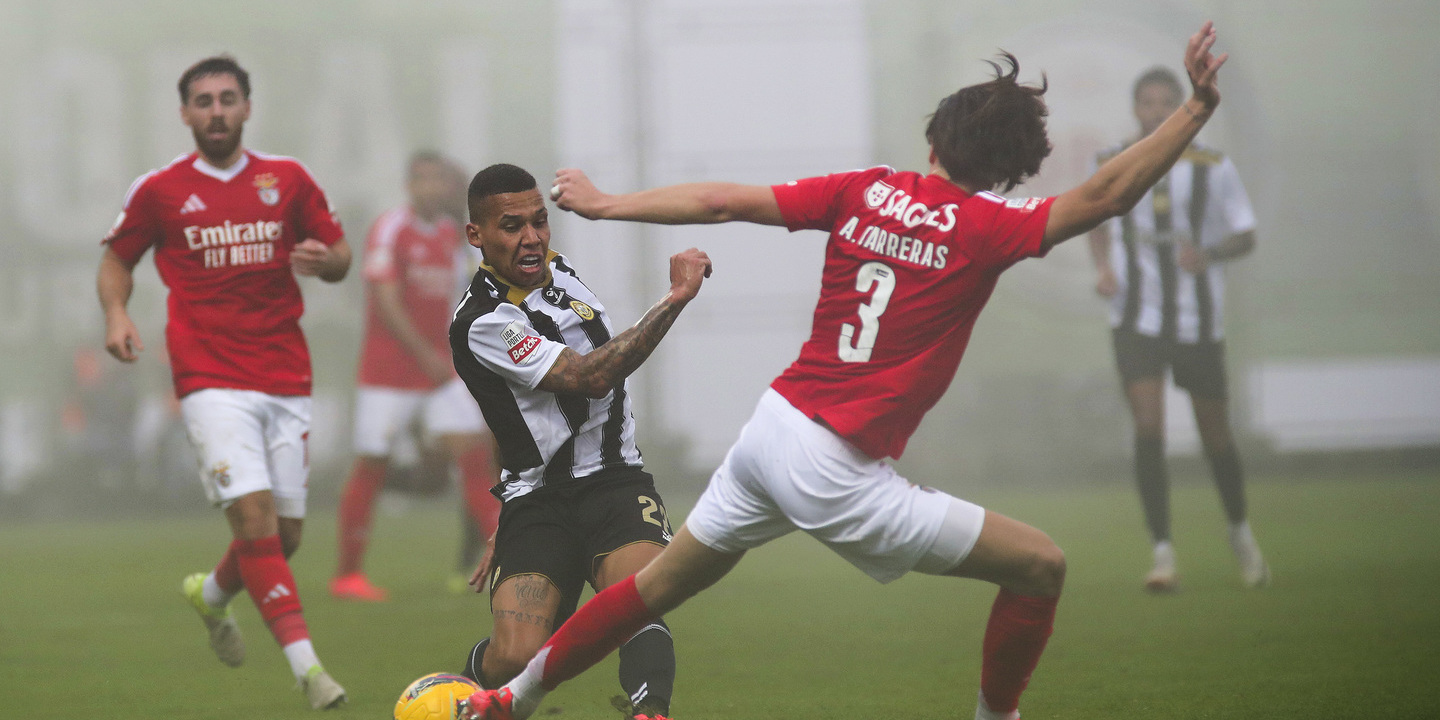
pixel 879 276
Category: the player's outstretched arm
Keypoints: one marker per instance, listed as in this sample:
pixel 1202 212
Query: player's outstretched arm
pixel 688 204
pixel 1121 182
pixel 601 370
pixel 114 283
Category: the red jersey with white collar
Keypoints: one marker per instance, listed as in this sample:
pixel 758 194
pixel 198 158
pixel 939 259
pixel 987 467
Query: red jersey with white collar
pixel 422 258
pixel 222 242
pixel 910 263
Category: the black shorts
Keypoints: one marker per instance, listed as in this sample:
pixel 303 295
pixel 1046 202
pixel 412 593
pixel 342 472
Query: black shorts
pixel 563 531
pixel 1197 367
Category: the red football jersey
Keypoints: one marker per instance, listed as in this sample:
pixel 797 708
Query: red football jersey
pixel 222 243
pixel 422 259
pixel 910 262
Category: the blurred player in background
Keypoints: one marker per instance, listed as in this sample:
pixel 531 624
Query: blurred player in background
pixel 910 263
pixel 231 228
pixel 1162 266
pixel 534 346
pixel 412 258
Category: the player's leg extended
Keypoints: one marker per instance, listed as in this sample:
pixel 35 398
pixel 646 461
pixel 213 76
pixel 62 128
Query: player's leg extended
pixel 1212 417
pixel 602 625
pixel 1146 397
pixel 647 659
pixel 1030 570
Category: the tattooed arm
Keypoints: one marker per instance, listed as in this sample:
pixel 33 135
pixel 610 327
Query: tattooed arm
pixel 596 373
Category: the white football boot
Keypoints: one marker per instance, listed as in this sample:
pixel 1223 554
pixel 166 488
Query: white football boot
pixel 1163 577
pixel 225 638
pixel 1254 571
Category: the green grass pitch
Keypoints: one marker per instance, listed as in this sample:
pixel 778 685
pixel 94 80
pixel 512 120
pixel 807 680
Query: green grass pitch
pixel 92 623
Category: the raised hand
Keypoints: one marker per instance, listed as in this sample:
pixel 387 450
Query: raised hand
pixel 687 270
pixel 1202 66
pixel 573 191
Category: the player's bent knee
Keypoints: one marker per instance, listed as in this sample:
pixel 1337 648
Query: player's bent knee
pixel 1047 571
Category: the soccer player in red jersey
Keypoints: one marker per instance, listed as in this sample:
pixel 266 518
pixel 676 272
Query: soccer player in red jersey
pixel 910 262
pixel 231 228
pixel 412 269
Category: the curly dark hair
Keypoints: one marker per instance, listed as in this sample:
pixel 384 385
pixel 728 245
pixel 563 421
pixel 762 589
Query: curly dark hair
pixel 992 134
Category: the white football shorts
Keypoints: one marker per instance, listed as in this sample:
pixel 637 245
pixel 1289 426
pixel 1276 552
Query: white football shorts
pixel 249 441
pixel 787 472
pixel 382 414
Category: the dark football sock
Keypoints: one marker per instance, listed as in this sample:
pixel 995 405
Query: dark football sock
pixel 1230 481
pixel 1154 484
pixel 647 669
pixel 474 661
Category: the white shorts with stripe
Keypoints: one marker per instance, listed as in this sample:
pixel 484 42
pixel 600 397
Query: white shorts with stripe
pixel 249 441
pixel 382 414
pixel 787 472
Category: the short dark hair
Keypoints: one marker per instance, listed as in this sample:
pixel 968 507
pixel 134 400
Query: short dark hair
pixel 1159 75
pixel 498 179
pixel 217 65
pixel 992 134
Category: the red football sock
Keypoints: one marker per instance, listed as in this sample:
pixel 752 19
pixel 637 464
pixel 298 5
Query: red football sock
pixel 477 476
pixel 1014 638
pixel 597 629
pixel 227 573
pixel 267 576
pixel 356 503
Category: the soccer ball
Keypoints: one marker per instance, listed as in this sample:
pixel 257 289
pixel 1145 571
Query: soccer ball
pixel 434 697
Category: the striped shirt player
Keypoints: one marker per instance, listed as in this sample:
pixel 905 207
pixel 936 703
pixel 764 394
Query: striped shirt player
pixel 1162 266
pixel 511 338
pixel 1200 201
pixel 538 353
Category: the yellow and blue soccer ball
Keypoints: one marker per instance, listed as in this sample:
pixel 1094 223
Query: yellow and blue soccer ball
pixel 434 697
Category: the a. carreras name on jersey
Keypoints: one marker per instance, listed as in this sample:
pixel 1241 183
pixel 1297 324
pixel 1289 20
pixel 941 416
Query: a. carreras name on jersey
pixel 905 249
pixel 233 233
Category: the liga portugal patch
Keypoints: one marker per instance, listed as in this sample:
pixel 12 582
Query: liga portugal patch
pixel 522 349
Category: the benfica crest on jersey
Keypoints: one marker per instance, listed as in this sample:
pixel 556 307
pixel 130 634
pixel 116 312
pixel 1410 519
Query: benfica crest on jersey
pixel 877 194
pixel 268 186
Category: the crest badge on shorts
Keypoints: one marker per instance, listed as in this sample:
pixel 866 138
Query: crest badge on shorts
pixel 584 311
pixel 267 185
pixel 877 194
pixel 221 473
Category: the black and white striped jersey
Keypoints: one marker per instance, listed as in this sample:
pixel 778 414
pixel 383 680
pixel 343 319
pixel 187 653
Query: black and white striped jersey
pixel 504 340
pixel 1201 200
